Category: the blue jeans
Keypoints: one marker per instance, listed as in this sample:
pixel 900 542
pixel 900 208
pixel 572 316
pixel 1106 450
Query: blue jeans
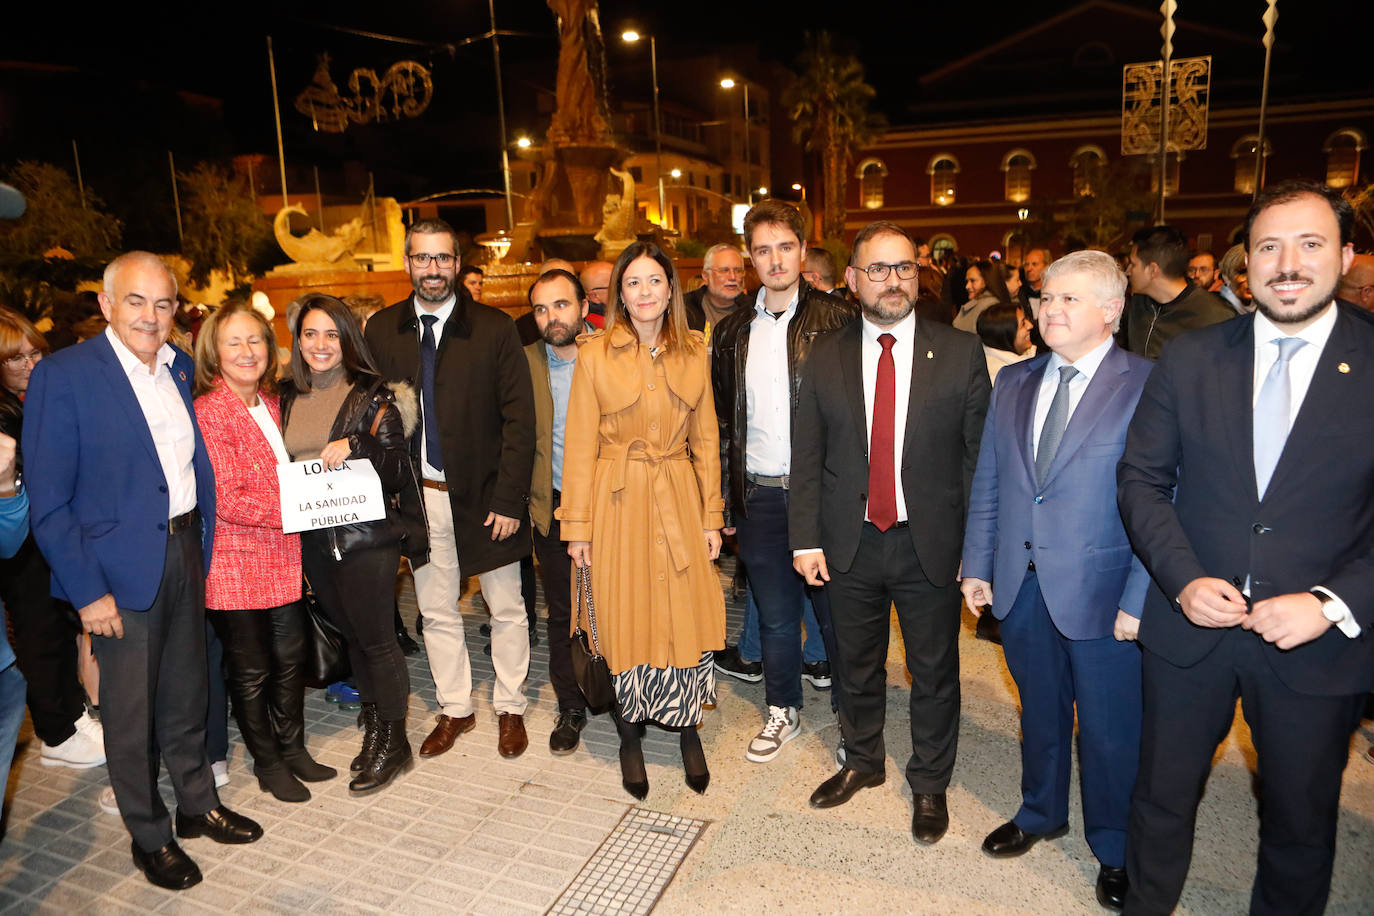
pixel 777 589
pixel 12 690
pixel 813 649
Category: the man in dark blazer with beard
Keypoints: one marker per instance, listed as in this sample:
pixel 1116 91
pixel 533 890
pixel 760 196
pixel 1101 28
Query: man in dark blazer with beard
pixel 474 454
pixel 1247 489
pixel 884 447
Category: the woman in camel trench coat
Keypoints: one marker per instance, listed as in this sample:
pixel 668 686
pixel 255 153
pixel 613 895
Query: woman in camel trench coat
pixel 641 503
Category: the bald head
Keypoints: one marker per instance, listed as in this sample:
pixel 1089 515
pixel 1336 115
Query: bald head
pixel 596 280
pixel 1357 284
pixel 139 301
pixel 557 264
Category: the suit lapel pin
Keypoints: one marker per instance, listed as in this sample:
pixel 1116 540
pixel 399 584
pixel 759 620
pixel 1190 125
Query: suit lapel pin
pixel 930 354
pixel 183 375
pixel 1343 368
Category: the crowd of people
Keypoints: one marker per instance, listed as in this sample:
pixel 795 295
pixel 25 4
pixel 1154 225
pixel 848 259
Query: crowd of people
pixel 1156 498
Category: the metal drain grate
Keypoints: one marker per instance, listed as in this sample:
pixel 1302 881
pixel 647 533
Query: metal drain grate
pixel 633 866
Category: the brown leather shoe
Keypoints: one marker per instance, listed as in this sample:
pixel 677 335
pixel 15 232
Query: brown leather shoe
pixel 445 733
pixel 511 728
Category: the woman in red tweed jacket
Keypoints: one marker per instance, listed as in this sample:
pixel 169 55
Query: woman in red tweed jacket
pixel 253 590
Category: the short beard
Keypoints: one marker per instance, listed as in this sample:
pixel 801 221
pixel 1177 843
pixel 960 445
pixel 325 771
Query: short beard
pixel 1306 314
pixel 442 294
pixel 553 338
pixel 878 313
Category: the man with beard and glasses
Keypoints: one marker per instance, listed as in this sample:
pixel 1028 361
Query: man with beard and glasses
pixel 560 307
pixel 473 452
pixel 884 447
pixel 1247 489
pixel 757 354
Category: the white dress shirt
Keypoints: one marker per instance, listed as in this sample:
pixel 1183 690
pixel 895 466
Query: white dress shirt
pixel 168 420
pixel 905 332
pixel 768 392
pixel 1301 367
pixel 1087 366
pixel 442 313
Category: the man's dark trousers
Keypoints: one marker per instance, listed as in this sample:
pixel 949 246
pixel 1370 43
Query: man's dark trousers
pixel 555 569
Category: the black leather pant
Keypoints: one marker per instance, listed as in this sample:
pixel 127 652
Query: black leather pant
pixel 264 650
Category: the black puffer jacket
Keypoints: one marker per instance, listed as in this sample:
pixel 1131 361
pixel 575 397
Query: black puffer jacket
pixel 390 457
pixel 817 312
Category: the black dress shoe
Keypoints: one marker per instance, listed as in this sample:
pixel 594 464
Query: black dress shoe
pixel 172 868
pixel 219 824
pixel 1010 840
pixel 929 818
pixel 567 731
pixel 1112 885
pixel 841 787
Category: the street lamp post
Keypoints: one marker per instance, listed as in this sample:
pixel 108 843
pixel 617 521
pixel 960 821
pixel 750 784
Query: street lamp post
pixel 632 36
pixel 729 83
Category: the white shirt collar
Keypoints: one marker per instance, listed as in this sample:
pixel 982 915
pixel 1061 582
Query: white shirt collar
pixel 1315 333
pixel 904 330
pixel 130 362
pixel 762 310
pixel 442 312
pixel 1087 364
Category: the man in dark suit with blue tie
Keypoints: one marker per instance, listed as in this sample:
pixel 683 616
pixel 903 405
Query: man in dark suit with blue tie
pixel 1044 528
pixel 122 504
pixel 1247 487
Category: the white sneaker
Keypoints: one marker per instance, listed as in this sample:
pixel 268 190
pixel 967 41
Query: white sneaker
pixel 83 750
pixel 107 801
pixel 784 724
pixel 221 770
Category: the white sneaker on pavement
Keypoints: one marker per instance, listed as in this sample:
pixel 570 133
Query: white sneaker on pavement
pixel 83 750
pixel 221 770
pixel 107 801
pixel 784 724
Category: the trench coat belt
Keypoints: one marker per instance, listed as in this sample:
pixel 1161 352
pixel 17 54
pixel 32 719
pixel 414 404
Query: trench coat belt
pixel 640 450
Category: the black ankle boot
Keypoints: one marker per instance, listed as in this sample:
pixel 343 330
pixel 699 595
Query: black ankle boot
pixel 391 757
pixel 367 718
pixel 306 768
pixel 694 768
pixel 278 779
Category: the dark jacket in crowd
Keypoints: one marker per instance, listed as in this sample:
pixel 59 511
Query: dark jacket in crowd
pixel 386 448
pixel 484 403
pixel 817 312
pixel 1150 325
pixel 696 312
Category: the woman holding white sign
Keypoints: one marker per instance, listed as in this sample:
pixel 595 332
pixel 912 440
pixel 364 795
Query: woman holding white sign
pixel 335 409
pixel 253 588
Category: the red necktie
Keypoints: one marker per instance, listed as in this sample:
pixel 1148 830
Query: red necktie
pixel 882 481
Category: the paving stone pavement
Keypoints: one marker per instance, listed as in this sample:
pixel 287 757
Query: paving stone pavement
pixel 470 832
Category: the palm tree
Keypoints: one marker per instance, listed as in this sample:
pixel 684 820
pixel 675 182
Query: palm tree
pixel 828 102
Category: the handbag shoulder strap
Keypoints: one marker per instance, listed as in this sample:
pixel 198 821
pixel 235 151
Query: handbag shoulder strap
pixel 584 598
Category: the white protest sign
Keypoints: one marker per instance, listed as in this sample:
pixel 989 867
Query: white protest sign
pixel 314 497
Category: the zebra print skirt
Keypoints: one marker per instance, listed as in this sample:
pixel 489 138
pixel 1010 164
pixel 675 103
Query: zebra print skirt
pixel 668 696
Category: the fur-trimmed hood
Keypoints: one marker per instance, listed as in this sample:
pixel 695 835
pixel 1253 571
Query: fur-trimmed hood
pixel 408 404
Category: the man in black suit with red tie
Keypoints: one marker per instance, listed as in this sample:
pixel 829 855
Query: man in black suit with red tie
pixel 1247 489
pixel 884 446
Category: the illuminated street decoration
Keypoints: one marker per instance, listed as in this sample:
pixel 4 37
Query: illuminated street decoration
pixel 406 82
pixel 1189 79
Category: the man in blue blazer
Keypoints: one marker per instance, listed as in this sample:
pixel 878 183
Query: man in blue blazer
pixel 1044 528
pixel 122 505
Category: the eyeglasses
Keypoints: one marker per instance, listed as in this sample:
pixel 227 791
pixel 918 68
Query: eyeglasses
pixel 878 272
pixel 19 359
pixel 727 271
pixel 443 259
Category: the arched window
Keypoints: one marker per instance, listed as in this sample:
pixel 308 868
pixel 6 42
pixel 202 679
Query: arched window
pixel 871 173
pixel 1243 151
pixel 1087 163
pixel 1343 157
pixel 1018 164
pixel 1170 172
pixel 942 169
pixel 943 248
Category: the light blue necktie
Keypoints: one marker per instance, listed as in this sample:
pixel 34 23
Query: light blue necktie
pixel 1055 422
pixel 1272 410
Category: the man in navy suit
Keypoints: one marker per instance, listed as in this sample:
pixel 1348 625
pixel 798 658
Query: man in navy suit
pixel 1044 527
pixel 1247 487
pixel 122 504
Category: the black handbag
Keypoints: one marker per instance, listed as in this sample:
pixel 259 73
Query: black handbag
pixel 326 651
pixel 592 673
